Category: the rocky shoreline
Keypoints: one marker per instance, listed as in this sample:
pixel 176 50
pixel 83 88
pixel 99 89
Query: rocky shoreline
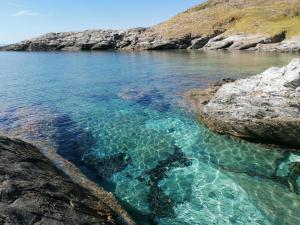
pixel 263 108
pixel 147 39
pixel 33 191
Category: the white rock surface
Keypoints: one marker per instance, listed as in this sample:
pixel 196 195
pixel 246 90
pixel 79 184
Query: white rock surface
pixel 272 94
pixel 264 108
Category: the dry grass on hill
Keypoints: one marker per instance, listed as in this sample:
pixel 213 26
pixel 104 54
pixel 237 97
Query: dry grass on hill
pixel 267 17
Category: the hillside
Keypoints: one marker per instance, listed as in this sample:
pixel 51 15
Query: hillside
pixel 264 25
pixel 264 17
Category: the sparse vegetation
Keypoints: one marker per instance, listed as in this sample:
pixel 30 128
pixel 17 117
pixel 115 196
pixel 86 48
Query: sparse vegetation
pixel 268 17
pixel 201 6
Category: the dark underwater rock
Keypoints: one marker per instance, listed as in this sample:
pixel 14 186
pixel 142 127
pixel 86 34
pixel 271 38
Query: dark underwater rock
pixel 47 129
pixel 33 191
pixel 161 204
pixel 145 97
pixel 107 166
pixel 289 172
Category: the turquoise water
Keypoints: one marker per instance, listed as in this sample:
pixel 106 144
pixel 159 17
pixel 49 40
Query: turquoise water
pixel 121 118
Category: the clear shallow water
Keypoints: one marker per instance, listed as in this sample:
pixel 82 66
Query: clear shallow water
pixel 119 117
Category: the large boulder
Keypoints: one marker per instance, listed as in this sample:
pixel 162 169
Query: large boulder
pixel 264 108
pixel 235 42
pixel 33 191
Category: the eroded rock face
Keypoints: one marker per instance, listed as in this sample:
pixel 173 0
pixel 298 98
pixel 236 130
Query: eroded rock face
pixel 33 191
pixel 99 40
pixel 292 45
pixel 264 108
pixel 148 39
pixel 246 41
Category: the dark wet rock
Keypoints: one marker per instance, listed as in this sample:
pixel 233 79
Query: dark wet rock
pixel 262 108
pixel 33 191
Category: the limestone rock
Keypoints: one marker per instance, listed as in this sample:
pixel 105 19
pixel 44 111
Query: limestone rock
pixel 237 42
pixel 146 39
pixel 291 45
pixel 264 108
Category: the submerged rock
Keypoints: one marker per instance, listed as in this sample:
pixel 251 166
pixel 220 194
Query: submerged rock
pixel 107 166
pixel 264 108
pixel 145 97
pixel 161 204
pixel 289 170
pixel 33 191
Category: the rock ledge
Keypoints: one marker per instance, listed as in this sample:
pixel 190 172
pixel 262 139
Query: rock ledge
pixel 33 191
pixel 263 108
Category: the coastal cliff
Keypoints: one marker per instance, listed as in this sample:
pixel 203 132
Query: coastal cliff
pixel 263 108
pixel 33 191
pixel 262 25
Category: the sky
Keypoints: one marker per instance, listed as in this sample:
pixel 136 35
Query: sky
pixel 23 19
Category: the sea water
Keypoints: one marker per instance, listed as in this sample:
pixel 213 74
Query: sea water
pixel 122 119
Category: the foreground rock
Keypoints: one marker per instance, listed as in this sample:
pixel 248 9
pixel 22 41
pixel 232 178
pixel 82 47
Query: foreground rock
pixel 264 108
pixel 33 191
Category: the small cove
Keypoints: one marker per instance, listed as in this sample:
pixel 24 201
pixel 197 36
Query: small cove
pixel 121 119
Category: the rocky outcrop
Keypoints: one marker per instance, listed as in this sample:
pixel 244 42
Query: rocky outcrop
pixel 146 39
pixel 33 191
pixel 264 108
pixel 291 45
pixel 254 42
pixel 88 40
